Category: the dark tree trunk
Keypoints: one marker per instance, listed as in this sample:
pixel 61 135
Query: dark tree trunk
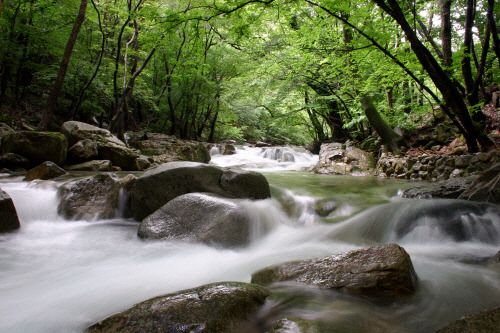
pixel 470 93
pixel 494 30
pixel 390 138
pixel 451 95
pixel 445 9
pixel 54 94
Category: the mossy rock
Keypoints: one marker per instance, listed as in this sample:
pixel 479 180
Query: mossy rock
pixel 217 307
pixel 37 147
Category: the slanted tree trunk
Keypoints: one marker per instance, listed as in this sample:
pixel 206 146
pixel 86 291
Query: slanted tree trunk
pixel 48 115
pixel 390 138
pixel 451 95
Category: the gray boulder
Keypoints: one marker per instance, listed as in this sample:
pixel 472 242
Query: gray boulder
pixel 8 215
pixel 96 165
pixel 46 170
pixel 95 197
pixel 76 131
pixel 109 147
pixel 487 321
pixel 37 147
pixel 159 185
pixel 82 151
pixel 377 271
pixel 14 162
pixel 446 189
pixel 201 218
pixel 334 159
pixel 217 307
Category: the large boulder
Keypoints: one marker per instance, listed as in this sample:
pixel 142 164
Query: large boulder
pixel 82 151
pixel 201 218
pixel 14 162
pixel 159 185
pixel 335 159
pixel 109 147
pixel 217 307
pixel 8 216
pixel 486 187
pixel 76 131
pixel 46 170
pixel 95 197
pixel 487 321
pixel 167 148
pixel 377 271
pixel 37 147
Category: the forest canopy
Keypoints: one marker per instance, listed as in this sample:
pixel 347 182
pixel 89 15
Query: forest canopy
pixel 281 71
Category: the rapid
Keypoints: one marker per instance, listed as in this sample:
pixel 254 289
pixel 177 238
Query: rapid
pixel 58 275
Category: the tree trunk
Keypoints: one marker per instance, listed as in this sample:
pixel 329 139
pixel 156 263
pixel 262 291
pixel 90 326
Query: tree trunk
pixel 451 95
pixel 445 7
pixel 494 30
pixel 471 95
pixel 48 115
pixel 390 138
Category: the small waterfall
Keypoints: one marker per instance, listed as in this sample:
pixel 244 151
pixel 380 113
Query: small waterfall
pixel 214 151
pixel 424 222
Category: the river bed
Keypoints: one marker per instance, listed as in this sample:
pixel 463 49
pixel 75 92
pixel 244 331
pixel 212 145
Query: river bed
pixel 61 276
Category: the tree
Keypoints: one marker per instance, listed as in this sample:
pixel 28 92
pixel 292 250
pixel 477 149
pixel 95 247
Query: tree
pixel 54 94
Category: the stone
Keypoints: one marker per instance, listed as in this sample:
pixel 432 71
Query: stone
pixel 37 147
pixel 142 163
pixel 120 156
pixel 46 170
pixel 377 271
pixel 324 207
pixel 449 189
pixel 82 151
pixel 5 130
pixel 14 162
pixel 9 220
pixel 229 149
pixel 76 131
pixel 90 198
pixel 218 307
pixel 334 159
pixel 96 165
pixel 198 217
pixel 485 188
pixel 486 321
pixel 159 185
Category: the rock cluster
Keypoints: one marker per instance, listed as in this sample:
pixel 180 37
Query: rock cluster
pixel 435 167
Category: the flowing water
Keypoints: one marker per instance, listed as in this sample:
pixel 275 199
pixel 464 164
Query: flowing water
pixel 61 276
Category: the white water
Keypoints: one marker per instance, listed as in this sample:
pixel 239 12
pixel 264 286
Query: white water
pixel 61 276
pixel 266 159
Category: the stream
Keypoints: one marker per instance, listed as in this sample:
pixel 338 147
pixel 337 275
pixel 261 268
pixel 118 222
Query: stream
pixel 61 276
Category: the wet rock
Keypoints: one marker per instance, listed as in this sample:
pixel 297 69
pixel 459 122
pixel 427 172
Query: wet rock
pixel 96 165
pixel 37 147
pixel 377 271
pixel 90 198
pixel 485 188
pixel 324 207
pixel 46 170
pixel 13 161
pixel 229 149
pixel 159 185
pixel 82 151
pixel 8 215
pixel 448 189
pixel 487 321
pixel 295 325
pixel 217 307
pixel 200 218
